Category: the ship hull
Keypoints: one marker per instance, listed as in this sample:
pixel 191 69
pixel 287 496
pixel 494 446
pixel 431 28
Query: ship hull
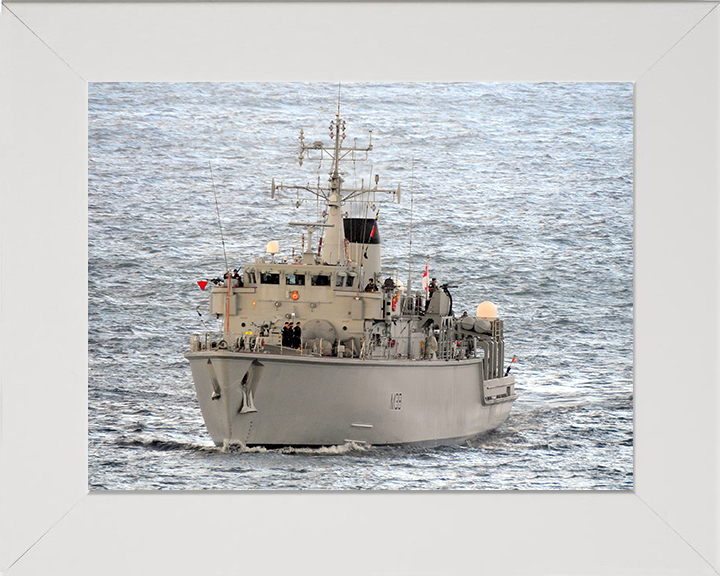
pixel 285 400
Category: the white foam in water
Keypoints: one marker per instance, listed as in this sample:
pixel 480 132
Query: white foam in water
pixel 235 446
pixel 338 449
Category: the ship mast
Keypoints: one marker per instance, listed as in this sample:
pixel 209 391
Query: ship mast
pixel 335 195
pixel 335 234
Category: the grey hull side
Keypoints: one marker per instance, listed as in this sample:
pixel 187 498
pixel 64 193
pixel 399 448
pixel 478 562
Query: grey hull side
pixel 274 400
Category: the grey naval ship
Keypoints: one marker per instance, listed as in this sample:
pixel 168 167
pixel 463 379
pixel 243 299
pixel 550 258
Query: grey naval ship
pixel 321 348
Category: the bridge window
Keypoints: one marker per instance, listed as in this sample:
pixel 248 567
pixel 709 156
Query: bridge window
pixel 295 279
pixel 350 280
pixel 320 280
pixel 269 278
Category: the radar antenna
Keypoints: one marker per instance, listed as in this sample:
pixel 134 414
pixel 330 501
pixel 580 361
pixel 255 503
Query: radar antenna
pixel 334 194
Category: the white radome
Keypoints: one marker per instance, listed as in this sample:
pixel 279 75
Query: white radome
pixel 487 310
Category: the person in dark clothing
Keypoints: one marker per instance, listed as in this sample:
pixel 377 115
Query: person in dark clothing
pixel 286 335
pixel 432 288
pixel 237 278
pixel 297 336
pixel 370 286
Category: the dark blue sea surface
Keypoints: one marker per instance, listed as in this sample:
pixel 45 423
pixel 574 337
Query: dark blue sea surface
pixel 522 194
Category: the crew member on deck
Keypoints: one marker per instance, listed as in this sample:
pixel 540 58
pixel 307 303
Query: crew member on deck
pixel 370 286
pixel 237 279
pixel 297 334
pixel 286 335
pixel 432 288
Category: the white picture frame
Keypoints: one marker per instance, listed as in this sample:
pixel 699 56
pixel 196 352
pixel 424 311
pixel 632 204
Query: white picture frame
pixel 50 523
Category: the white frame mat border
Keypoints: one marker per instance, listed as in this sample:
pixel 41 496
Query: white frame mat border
pixel 50 523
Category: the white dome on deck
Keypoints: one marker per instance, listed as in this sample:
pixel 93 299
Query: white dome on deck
pixel 487 310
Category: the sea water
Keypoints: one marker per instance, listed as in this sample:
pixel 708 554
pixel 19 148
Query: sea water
pixel 521 194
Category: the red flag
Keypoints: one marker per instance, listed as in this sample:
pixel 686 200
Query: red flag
pixel 202 284
pixel 426 279
pixel 372 232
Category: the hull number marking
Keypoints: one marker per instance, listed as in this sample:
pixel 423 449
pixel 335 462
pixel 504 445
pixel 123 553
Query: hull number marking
pixel 396 401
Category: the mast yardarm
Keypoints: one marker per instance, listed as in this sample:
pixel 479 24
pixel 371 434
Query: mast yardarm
pixel 335 195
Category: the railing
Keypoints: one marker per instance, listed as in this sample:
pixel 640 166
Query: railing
pixel 210 341
pixel 233 342
pixel 452 345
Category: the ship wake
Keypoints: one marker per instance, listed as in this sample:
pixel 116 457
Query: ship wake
pixel 232 446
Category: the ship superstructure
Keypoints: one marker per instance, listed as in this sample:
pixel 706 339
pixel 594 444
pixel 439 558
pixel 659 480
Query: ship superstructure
pixel 321 348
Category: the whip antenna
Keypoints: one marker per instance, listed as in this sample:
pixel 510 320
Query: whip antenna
pixel 217 208
pixel 412 184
